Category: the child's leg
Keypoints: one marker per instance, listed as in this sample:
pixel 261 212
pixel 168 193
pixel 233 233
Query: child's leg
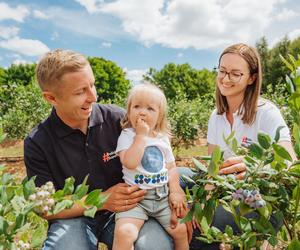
pixel 126 233
pixel 180 237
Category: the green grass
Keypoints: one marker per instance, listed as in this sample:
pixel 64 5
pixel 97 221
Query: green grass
pixel 192 152
pixel 12 151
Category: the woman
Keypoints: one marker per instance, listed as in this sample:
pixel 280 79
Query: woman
pixel 240 108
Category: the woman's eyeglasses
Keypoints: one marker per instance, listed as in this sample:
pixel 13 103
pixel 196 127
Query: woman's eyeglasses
pixel 234 76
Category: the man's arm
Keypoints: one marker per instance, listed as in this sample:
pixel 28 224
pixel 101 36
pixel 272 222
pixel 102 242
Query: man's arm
pixel 121 197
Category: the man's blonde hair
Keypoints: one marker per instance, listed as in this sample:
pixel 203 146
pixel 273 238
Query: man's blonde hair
pixel 162 125
pixel 55 64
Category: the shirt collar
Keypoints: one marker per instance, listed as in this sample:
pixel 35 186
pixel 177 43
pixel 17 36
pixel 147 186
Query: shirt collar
pixel 63 129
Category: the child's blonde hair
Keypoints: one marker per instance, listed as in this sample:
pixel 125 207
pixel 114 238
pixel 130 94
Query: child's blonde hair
pixel 162 125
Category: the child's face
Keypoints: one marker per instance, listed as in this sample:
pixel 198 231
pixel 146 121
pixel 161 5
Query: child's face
pixel 145 106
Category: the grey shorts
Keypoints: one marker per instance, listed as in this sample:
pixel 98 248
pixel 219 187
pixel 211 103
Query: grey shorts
pixel 155 204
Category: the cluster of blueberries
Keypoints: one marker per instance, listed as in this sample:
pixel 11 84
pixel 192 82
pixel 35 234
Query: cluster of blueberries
pixel 43 198
pixel 250 197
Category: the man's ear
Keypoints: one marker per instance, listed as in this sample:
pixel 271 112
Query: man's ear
pixel 50 97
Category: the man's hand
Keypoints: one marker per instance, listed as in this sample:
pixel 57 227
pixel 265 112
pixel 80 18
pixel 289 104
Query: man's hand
pixel 122 197
pixel 234 165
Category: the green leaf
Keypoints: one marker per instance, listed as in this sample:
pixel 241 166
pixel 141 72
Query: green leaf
pixel 256 150
pixel 264 140
pixel 213 169
pixel 199 165
pixel 282 152
pixel 29 187
pixel 229 231
pixel 188 217
pixel 62 205
pixel 277 135
pixel 251 241
pixel 58 194
pixel 216 154
pixel 93 197
pixel 90 212
pixel 296 133
pixel 3 225
pixel 294 245
pixel 69 186
pixel 81 190
pixel 273 241
pixel 38 236
pixel 20 221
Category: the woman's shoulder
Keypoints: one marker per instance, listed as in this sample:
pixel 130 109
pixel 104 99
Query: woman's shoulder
pixel 265 105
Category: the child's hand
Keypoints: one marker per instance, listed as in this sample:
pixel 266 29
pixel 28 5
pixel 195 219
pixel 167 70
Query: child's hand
pixel 178 203
pixel 141 127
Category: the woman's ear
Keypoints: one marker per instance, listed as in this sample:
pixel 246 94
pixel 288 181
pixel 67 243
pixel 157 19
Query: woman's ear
pixel 50 97
pixel 252 79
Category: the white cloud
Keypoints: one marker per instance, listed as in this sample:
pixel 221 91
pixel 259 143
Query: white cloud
pixel 106 26
pixel 106 45
pixel 135 75
pixel 54 36
pixel 294 34
pixel 91 5
pixel 27 47
pixel 286 14
pixel 179 55
pixel 8 32
pixel 20 61
pixel 193 23
pixel 17 13
pixel 39 14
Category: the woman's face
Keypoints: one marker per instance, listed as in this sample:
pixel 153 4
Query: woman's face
pixel 233 76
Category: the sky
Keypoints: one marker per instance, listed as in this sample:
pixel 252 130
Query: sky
pixel 139 34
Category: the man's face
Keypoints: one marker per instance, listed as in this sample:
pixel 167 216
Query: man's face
pixel 74 97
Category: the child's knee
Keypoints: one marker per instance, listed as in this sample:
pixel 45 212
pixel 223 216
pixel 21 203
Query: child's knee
pixel 127 231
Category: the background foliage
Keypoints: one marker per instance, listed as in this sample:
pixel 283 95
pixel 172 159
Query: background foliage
pixel 189 91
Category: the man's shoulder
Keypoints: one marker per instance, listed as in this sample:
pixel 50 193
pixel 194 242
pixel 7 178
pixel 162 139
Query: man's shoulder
pixel 38 133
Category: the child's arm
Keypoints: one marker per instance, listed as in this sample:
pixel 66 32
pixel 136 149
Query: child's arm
pixel 132 157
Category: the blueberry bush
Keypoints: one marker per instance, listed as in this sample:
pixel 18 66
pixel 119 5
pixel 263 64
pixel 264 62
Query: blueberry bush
pixel 267 197
pixel 23 204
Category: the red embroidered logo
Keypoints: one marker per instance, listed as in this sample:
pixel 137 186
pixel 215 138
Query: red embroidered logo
pixel 109 156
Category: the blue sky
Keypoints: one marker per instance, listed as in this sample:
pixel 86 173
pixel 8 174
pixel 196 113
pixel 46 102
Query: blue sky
pixel 139 34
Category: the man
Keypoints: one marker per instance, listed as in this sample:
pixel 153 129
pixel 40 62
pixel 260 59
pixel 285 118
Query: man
pixel 79 138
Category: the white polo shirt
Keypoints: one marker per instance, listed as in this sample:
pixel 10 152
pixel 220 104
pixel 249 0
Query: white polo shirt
pixel 268 119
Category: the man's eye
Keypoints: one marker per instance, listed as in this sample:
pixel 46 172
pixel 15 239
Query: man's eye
pixel 150 109
pixel 136 106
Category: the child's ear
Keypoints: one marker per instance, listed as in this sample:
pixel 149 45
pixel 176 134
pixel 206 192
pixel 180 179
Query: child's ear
pixel 252 78
pixel 50 97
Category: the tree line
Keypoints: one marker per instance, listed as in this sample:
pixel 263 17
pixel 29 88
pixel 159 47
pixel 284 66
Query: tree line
pixel 190 91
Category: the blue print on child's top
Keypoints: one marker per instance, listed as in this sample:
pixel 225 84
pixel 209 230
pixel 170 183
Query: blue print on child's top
pixel 152 160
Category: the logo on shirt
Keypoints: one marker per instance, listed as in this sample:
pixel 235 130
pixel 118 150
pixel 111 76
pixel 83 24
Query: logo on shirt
pixel 109 156
pixel 246 142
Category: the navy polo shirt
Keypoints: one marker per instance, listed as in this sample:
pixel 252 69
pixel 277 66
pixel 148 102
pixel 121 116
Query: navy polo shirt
pixel 53 151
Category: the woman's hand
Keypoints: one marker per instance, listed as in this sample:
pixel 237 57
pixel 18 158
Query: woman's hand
pixel 234 165
pixel 178 203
